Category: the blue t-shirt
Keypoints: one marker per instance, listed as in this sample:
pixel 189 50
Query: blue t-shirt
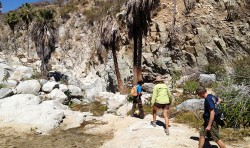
pixel 210 104
pixel 139 89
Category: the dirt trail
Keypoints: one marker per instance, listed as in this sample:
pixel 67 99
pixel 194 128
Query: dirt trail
pixel 111 131
pixel 137 133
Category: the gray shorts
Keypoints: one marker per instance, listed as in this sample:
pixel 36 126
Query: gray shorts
pixel 214 132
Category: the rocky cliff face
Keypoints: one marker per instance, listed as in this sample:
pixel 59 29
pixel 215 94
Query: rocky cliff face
pixel 201 37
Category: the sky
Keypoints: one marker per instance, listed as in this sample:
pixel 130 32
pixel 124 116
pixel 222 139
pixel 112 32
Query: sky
pixel 14 4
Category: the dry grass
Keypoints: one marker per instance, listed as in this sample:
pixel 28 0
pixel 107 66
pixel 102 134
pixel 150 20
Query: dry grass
pixel 188 118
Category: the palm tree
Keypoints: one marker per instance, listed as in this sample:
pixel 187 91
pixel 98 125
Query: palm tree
pixel 44 34
pixel 138 18
pixel 12 19
pixel 110 36
pixel 27 15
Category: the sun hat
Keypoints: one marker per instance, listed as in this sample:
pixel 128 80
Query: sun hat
pixel 158 79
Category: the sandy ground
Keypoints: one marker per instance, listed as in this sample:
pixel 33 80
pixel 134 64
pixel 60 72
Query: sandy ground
pixel 136 133
pixel 111 131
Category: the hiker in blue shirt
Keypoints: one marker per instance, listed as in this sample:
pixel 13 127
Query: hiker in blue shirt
pixel 137 99
pixel 210 125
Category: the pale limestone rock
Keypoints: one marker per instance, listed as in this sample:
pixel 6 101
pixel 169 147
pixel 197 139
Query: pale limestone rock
pixel 9 83
pixel 22 73
pixel 57 95
pixel 191 105
pixel 207 79
pixel 75 91
pixel 114 101
pixel 28 87
pixel 27 110
pixel 49 86
pixel 63 87
pixel 5 92
pixel 124 109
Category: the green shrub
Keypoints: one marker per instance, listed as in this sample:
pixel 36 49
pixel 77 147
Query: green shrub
pixel 130 98
pixel 190 87
pixel 242 71
pixel 36 75
pixel 68 94
pixel 235 105
pixel 102 9
pixel 2 86
pixel 216 69
pixel 65 10
pixel 176 75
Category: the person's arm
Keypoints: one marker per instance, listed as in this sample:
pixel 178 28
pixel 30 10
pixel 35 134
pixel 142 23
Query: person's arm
pixel 219 101
pixel 211 119
pixel 170 96
pixel 154 96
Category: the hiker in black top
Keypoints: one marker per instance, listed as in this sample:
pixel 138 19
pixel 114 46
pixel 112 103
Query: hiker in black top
pixel 210 126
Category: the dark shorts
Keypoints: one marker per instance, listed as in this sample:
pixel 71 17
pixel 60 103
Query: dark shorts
pixel 214 132
pixel 162 106
pixel 136 99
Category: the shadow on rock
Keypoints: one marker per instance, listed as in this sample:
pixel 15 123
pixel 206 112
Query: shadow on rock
pixel 206 144
pixel 160 123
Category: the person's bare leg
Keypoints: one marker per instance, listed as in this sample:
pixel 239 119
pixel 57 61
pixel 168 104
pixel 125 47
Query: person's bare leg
pixel 154 113
pixel 201 141
pixel 165 113
pixel 221 144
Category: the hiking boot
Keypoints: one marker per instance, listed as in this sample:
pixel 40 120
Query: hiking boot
pixel 142 117
pixel 153 123
pixel 166 131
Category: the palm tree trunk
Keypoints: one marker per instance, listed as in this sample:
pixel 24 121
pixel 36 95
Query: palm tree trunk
pixel 118 75
pixel 135 37
pixel 174 14
pixel 139 57
pixel 28 43
pixel 43 68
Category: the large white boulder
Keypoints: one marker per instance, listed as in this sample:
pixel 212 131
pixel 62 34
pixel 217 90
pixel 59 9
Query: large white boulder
pixel 22 72
pixel 124 109
pixel 49 86
pixel 28 87
pixel 75 91
pixel 63 87
pixel 114 101
pixel 5 70
pixel 5 92
pixel 1 73
pixel 27 111
pixel 148 87
pixel 146 98
pixel 9 83
pixel 92 84
pixel 57 95
pixel 207 79
pixel 191 105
